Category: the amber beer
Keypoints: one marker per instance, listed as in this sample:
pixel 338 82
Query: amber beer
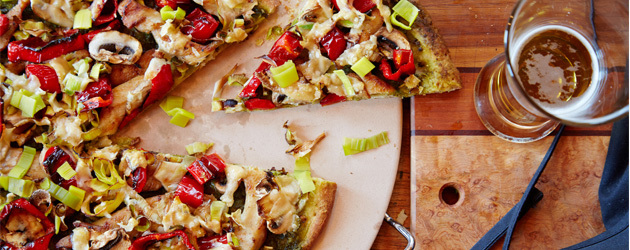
pixel 558 68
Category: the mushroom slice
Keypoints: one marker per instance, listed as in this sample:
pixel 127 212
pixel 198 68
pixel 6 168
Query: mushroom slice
pixel 41 199
pixel 115 47
pixel 279 206
pixel 388 41
pixel 110 239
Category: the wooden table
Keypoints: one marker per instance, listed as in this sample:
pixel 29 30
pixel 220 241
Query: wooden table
pixel 473 31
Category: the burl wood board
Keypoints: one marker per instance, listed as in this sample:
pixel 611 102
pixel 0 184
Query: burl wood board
pixel 451 148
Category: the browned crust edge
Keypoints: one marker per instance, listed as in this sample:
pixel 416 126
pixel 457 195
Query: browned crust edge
pixel 448 75
pixel 317 211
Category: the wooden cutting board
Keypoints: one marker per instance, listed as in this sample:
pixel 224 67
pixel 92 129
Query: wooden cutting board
pixel 464 179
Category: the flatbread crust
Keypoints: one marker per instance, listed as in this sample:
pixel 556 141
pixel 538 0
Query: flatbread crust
pixel 441 75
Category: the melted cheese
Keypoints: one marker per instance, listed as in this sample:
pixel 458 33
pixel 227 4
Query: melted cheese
pixel 155 65
pixel 234 174
pixel 178 214
pixel 69 129
pixel 365 49
pixel 133 159
pixel 80 238
pixel 170 174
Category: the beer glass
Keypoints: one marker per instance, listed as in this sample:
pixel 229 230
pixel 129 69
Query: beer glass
pixel 564 62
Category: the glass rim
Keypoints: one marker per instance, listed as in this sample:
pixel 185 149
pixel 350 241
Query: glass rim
pixel 613 116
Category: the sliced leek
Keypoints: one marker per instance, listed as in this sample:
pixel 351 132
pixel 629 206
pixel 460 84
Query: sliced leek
pixel 65 196
pixel 179 120
pixel 358 145
pixel 65 171
pixel 285 75
pixel 171 102
pixel 198 147
pixel 106 171
pixel 24 163
pixel 20 187
pixel 407 11
pixel 347 85
pixel 302 173
pixel 217 210
pixel 362 67
pixel 82 19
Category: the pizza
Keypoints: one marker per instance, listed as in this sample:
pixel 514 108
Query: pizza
pixel 336 51
pixel 138 199
pixel 74 72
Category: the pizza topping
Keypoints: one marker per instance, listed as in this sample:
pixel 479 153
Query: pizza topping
pixel 407 11
pixel 202 26
pixel 285 74
pixel 48 80
pixel 115 47
pixel 145 241
pixel 83 19
pixel 161 83
pixel 59 12
pixel 190 191
pixel 23 226
pixel 363 66
pixel 278 206
pixel 234 174
pixel 34 49
pixel 96 95
pixel 333 43
pixel 358 145
pixel 103 11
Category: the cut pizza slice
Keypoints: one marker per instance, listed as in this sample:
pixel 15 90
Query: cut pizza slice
pixel 120 197
pixel 335 52
pixel 76 71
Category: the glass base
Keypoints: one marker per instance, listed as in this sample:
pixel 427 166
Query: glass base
pixel 500 111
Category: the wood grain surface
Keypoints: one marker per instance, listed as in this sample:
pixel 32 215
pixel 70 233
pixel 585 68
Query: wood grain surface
pixel 445 143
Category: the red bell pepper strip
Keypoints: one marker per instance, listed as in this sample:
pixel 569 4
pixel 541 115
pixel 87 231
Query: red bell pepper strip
pixel 48 80
pixel 139 179
pixel 202 27
pixel 128 118
pixel 287 47
pixel 199 170
pixel 386 70
pixel 169 3
pixel 404 63
pixel 96 95
pixel 189 191
pixel 34 49
pixel 160 85
pixel 257 103
pixel 114 25
pixel 333 43
pixel 216 164
pixel 331 98
pixel 207 167
pixel 53 159
pixel 360 5
pixel 145 241
pixel 22 205
pixel 251 88
pixel 108 12
pixel 210 242
pixel 4 24
pixel 403 60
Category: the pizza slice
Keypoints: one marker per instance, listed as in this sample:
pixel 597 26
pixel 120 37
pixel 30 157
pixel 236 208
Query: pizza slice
pixel 76 71
pixel 120 197
pixel 335 52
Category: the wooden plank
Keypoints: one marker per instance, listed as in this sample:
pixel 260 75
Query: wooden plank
pixel 490 175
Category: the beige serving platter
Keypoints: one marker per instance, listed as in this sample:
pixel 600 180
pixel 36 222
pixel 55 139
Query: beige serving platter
pixel 365 181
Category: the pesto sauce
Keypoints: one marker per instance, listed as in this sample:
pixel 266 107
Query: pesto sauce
pixel 5 6
pixel 288 240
